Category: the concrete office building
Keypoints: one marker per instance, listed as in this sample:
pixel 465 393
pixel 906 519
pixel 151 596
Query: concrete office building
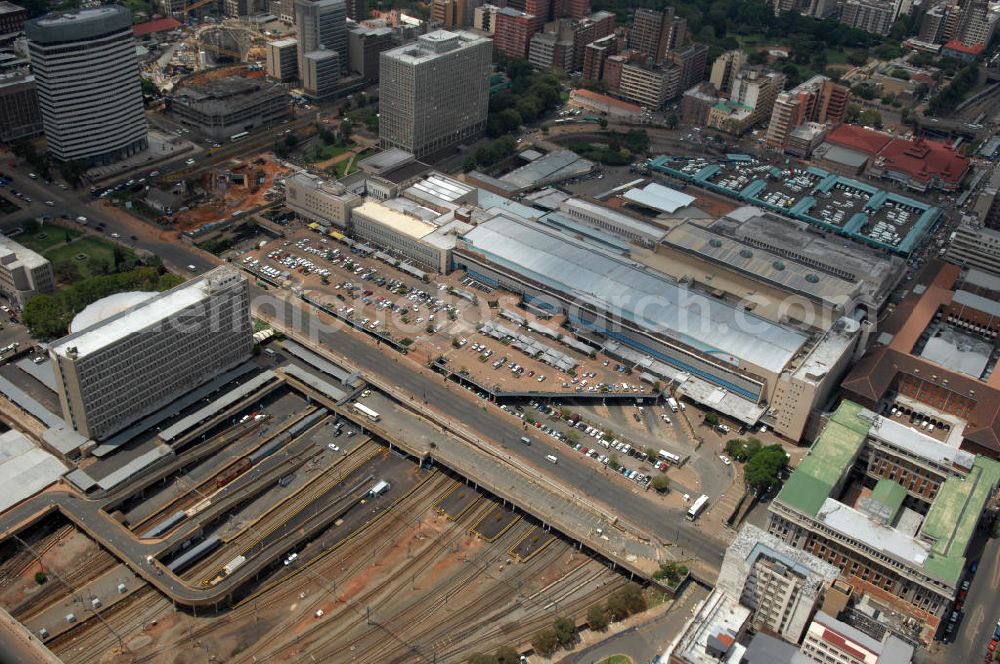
pixel 20 117
pixel 782 585
pixel 892 507
pixel 321 25
pixel 23 273
pixel 228 106
pixel 320 201
pixel 364 47
pixel 974 246
pixel 113 373
pixel 12 18
pixel 434 93
pixel 830 640
pixel 650 86
pixel 757 90
pixel 357 10
pixel 320 73
pixel 282 59
pixel 87 76
pixel 415 238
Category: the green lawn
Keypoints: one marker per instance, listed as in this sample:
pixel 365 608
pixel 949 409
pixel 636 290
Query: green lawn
pixel 92 247
pixel 47 237
pixel 617 659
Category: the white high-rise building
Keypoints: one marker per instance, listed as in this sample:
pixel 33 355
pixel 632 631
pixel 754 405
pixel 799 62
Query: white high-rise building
pixel 87 76
pixel 114 372
pixel 434 93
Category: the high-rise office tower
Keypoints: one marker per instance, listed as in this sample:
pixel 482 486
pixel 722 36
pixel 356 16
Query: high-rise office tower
pixel 816 100
pixel 87 76
pixel 434 93
pixel 117 371
pixel 322 25
pixel 357 10
pixel 692 60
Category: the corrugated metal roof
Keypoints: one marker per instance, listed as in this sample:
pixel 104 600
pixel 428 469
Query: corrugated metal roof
pixel 658 197
pixel 642 296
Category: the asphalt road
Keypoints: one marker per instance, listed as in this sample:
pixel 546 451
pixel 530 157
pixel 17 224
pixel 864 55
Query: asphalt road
pixel 982 610
pixel 573 470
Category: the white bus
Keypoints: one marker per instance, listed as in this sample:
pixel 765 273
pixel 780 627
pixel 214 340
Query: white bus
pixel 239 136
pixel 670 457
pixel 366 411
pixel 697 507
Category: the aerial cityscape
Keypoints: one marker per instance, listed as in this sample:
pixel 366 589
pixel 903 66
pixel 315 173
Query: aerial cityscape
pixel 513 332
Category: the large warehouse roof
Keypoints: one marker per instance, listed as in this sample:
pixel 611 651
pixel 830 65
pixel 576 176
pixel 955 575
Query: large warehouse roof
pixel 657 197
pixel 641 296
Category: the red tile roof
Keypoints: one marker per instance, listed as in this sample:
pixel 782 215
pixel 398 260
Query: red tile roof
pixel 959 47
pixel 875 374
pixel 920 159
pixel 598 98
pixel 924 160
pixel 858 138
pixel 157 25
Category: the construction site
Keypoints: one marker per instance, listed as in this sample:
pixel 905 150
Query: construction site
pixel 286 517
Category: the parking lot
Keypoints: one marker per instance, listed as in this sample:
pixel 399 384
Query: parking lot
pixel 442 318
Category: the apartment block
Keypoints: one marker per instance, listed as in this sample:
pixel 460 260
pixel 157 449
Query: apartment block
pixel 282 59
pixel 814 8
pixel 12 18
pixel 757 89
pixel 892 507
pixel 553 48
pixel 654 33
pixel 816 100
pixel 434 93
pixel 830 640
pixel 23 273
pixel 595 54
pixel 697 103
pixel 586 30
pixel 875 16
pixel 692 60
pixel 116 372
pixel 316 200
pixel 725 68
pixel 782 585
pixel 513 32
pixel 976 24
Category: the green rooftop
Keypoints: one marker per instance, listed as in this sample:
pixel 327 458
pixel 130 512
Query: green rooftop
pixel 951 521
pixel 891 494
pixel 828 459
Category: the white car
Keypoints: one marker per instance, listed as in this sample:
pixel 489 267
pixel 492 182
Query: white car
pixel 726 460
pixel 333 447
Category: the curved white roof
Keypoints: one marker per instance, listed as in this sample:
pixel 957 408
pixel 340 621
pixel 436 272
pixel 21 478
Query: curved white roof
pixel 107 307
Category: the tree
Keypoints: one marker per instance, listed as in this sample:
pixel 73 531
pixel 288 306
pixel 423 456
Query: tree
pixel 545 642
pixel 480 658
pixel 661 483
pixel 757 57
pixel 597 618
pixel 613 462
pixel 345 129
pixel 506 655
pixel 857 58
pixel 711 419
pixel 565 630
pixel 291 141
pixel 672 121
pixel 66 270
pixel 650 452
pixel 603 122
pixel 764 468
pixel 40 578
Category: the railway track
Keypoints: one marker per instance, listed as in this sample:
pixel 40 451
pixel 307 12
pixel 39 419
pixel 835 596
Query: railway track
pixel 17 564
pixel 190 495
pixel 53 591
pixel 255 533
pixel 287 589
pixel 92 640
